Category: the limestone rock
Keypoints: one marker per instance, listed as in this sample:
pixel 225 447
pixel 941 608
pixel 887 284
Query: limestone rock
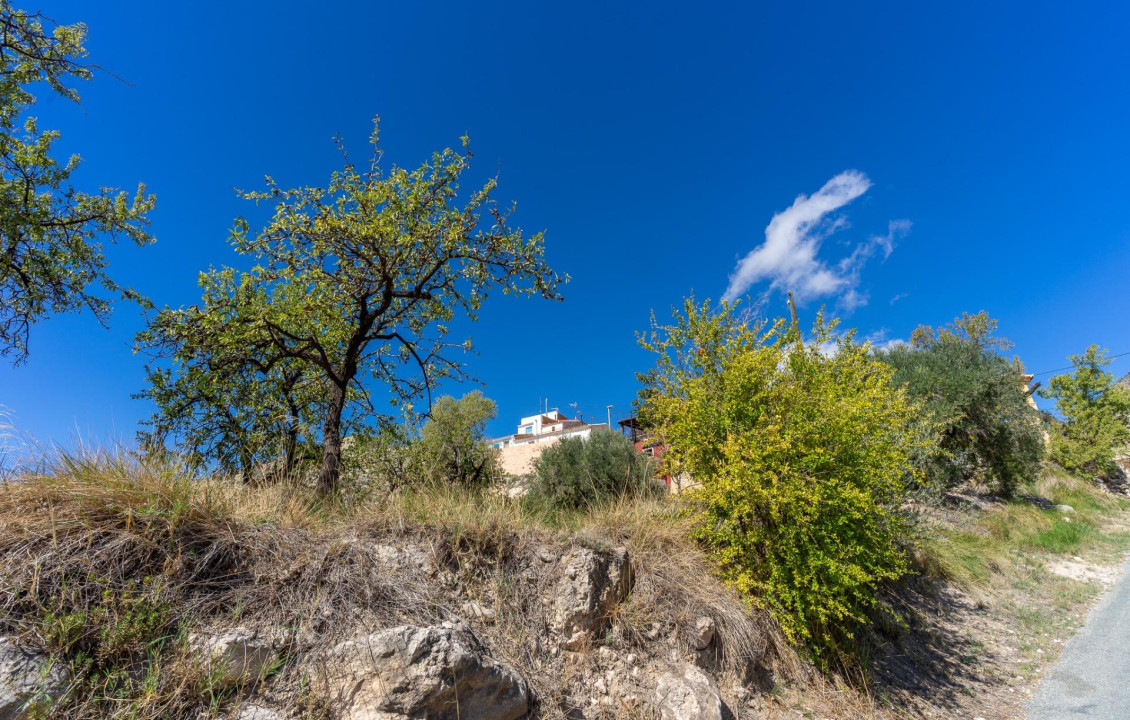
pixel 589 585
pixel 234 656
pixel 703 632
pixel 251 711
pixel 690 694
pixel 27 678
pixel 478 611
pixel 440 673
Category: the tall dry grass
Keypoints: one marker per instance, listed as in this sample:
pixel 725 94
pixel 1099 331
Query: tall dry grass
pixel 110 561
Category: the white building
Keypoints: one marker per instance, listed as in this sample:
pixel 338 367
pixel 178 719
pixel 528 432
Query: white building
pixel 518 452
pixel 545 427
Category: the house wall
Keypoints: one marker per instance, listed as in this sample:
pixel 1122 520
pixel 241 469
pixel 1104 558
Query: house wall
pixel 519 459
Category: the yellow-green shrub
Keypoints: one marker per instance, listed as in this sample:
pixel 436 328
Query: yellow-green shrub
pixel 802 455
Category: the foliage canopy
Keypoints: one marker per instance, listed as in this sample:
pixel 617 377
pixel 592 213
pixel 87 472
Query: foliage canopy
pixel 800 459
pixel 1096 413
pixel 577 473
pixel 51 235
pixel 219 403
pixel 361 278
pixel 973 398
pixel 452 445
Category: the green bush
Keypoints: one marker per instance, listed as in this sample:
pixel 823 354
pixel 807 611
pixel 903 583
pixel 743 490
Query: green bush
pixel 378 462
pixel 800 456
pixel 577 473
pixel 972 400
pixel 1096 413
pixel 452 446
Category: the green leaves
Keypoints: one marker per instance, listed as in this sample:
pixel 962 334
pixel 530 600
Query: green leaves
pixel 452 445
pixel 1096 413
pixel 800 460
pixel 973 402
pixel 51 235
pixel 361 279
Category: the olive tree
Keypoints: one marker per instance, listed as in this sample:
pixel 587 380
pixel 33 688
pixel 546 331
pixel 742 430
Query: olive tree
pixel 51 235
pixel 453 445
pixel 973 402
pixel 361 279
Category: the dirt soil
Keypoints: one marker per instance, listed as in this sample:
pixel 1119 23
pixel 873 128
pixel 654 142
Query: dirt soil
pixel 962 655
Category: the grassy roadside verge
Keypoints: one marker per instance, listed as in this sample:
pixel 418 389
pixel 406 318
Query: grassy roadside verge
pixel 1037 562
pixel 1001 586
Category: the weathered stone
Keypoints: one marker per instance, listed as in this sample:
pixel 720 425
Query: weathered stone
pixel 423 672
pixel 1065 509
pixel 28 679
pixel 589 586
pixel 251 711
pixel 690 694
pixel 235 656
pixel 404 558
pixel 478 611
pixel 703 632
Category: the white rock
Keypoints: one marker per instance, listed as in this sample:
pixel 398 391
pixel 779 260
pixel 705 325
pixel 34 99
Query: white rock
pixel 235 656
pixel 251 711
pixel 589 587
pixel 690 694
pixel 27 678
pixel 478 611
pixel 441 673
pixel 703 632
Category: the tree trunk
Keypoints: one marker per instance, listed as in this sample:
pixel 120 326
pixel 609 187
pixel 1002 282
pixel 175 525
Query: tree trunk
pixel 290 453
pixel 331 441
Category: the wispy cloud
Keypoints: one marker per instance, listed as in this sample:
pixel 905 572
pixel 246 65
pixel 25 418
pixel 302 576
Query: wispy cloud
pixel 788 257
pixel 878 340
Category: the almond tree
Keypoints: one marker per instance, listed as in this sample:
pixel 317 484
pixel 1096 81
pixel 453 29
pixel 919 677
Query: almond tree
pixel 361 279
pixel 218 403
pixel 51 235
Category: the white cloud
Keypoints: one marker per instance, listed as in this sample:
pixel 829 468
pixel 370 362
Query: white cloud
pixel 878 340
pixel 788 257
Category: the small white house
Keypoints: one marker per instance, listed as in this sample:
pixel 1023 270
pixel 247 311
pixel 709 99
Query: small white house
pixel 518 452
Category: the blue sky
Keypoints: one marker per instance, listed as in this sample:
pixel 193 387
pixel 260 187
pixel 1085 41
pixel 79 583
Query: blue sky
pixel 654 143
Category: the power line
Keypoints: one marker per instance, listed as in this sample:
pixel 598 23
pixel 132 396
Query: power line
pixel 1072 367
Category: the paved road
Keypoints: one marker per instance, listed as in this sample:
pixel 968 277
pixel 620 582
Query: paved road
pixel 1092 677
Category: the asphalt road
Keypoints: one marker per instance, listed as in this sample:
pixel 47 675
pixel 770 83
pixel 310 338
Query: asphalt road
pixel 1092 677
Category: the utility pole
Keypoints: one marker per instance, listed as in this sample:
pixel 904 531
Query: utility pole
pixel 609 417
pixel 796 322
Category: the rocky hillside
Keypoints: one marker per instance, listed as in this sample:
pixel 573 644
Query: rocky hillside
pixel 127 592
pixel 171 600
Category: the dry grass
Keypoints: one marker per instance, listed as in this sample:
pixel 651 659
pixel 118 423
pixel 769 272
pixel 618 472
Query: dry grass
pixel 974 550
pixel 109 562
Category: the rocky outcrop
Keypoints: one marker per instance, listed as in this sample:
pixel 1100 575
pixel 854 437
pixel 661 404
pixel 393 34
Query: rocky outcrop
pixel 589 586
pixel 27 680
pixel 236 656
pixel 423 672
pixel 689 694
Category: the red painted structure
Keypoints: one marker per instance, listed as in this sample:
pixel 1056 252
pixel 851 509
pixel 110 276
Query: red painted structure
pixel 645 443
